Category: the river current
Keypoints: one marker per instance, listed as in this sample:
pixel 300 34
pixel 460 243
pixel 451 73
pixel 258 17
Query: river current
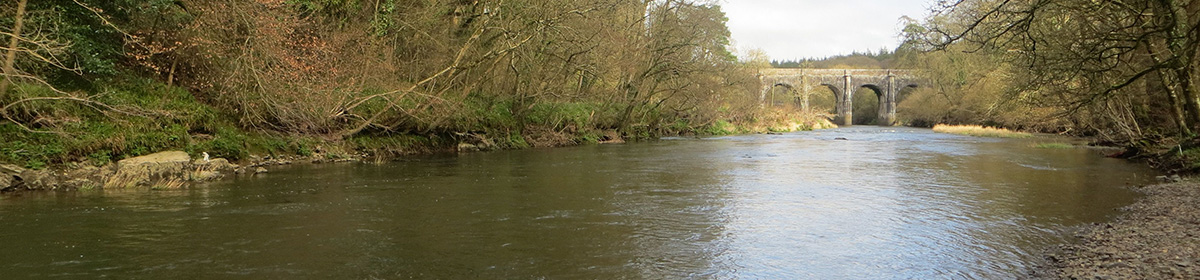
pixel 884 203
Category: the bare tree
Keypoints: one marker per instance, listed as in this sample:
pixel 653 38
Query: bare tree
pixel 11 55
pixel 1081 54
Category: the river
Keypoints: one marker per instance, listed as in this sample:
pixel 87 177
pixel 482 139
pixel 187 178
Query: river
pixel 884 203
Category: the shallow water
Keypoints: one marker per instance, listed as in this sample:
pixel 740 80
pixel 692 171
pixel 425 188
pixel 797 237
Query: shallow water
pixel 886 203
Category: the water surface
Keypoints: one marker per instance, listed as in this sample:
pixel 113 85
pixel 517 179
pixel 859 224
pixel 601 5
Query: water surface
pixel 886 203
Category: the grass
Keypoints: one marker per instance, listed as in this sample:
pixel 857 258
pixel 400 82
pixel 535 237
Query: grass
pixel 721 128
pixel 980 131
pixel 172 120
pixel 1054 146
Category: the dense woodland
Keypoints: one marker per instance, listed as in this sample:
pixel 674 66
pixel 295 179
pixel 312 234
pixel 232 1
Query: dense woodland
pixel 100 80
pixel 1123 72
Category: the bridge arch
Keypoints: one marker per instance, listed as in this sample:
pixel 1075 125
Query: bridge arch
pixel 881 109
pixel 837 95
pixel 790 90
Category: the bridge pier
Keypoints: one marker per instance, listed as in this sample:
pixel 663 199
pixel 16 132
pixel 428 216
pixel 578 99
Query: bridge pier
pixel 845 110
pixel 887 104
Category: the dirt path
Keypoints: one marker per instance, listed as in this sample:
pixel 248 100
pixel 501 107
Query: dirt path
pixel 1157 237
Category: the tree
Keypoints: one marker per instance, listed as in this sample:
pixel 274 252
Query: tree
pixel 1085 55
pixel 11 54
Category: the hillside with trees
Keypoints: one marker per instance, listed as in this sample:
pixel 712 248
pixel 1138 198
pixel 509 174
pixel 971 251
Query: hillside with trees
pixel 1123 72
pixel 96 81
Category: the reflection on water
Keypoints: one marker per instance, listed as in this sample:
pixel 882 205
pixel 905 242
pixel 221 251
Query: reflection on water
pixel 887 203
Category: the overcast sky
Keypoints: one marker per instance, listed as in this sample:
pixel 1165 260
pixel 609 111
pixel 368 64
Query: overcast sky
pixel 788 29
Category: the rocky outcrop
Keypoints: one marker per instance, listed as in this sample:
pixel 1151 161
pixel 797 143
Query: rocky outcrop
pixel 88 177
pixel 217 164
pixel 165 169
pixel 468 147
pixel 210 170
pixel 10 177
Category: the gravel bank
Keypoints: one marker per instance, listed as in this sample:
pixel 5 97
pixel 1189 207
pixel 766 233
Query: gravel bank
pixel 1157 237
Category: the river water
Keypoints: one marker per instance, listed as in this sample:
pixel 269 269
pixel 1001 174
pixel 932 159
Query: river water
pixel 885 203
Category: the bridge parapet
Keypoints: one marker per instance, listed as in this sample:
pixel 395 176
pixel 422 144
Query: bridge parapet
pixel 796 72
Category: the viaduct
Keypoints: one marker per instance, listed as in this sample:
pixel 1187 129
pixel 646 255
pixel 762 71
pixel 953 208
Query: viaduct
pixel 844 83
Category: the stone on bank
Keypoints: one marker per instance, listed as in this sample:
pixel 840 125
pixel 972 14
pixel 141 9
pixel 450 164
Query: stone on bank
pixel 161 170
pixel 10 177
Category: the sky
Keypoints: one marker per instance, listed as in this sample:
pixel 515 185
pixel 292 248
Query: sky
pixel 788 29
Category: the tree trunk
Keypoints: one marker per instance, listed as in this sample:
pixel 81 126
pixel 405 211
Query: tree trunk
pixel 1191 103
pixel 1181 45
pixel 1176 108
pixel 171 74
pixel 12 49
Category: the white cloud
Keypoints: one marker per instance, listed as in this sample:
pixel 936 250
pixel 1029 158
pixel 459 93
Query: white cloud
pixel 788 29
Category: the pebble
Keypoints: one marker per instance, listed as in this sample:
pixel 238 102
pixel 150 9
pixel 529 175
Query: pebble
pixel 1153 239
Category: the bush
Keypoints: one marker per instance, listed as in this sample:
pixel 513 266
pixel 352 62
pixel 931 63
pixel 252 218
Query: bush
pixel 721 127
pixel 562 116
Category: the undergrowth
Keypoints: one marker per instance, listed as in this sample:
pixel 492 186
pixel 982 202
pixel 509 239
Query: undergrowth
pixel 150 116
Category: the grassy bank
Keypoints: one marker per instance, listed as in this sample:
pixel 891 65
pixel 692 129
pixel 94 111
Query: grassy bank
pixel 148 117
pixel 155 117
pixel 773 121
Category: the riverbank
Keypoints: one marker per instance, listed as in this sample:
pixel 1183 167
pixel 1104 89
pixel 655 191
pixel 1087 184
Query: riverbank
pixel 1157 237
pixel 207 158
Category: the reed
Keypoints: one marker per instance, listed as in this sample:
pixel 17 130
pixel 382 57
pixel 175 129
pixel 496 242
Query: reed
pixel 979 131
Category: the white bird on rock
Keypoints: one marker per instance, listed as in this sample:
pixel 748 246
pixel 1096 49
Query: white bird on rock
pixel 205 156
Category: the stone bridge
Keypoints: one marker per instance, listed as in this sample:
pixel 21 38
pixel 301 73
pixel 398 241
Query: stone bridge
pixel 844 83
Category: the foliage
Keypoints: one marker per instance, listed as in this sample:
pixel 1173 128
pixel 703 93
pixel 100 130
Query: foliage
pixel 721 127
pixel 125 78
pixel 562 116
pixel 1124 71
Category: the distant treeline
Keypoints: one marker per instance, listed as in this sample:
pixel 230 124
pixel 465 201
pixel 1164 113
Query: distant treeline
pixel 882 59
